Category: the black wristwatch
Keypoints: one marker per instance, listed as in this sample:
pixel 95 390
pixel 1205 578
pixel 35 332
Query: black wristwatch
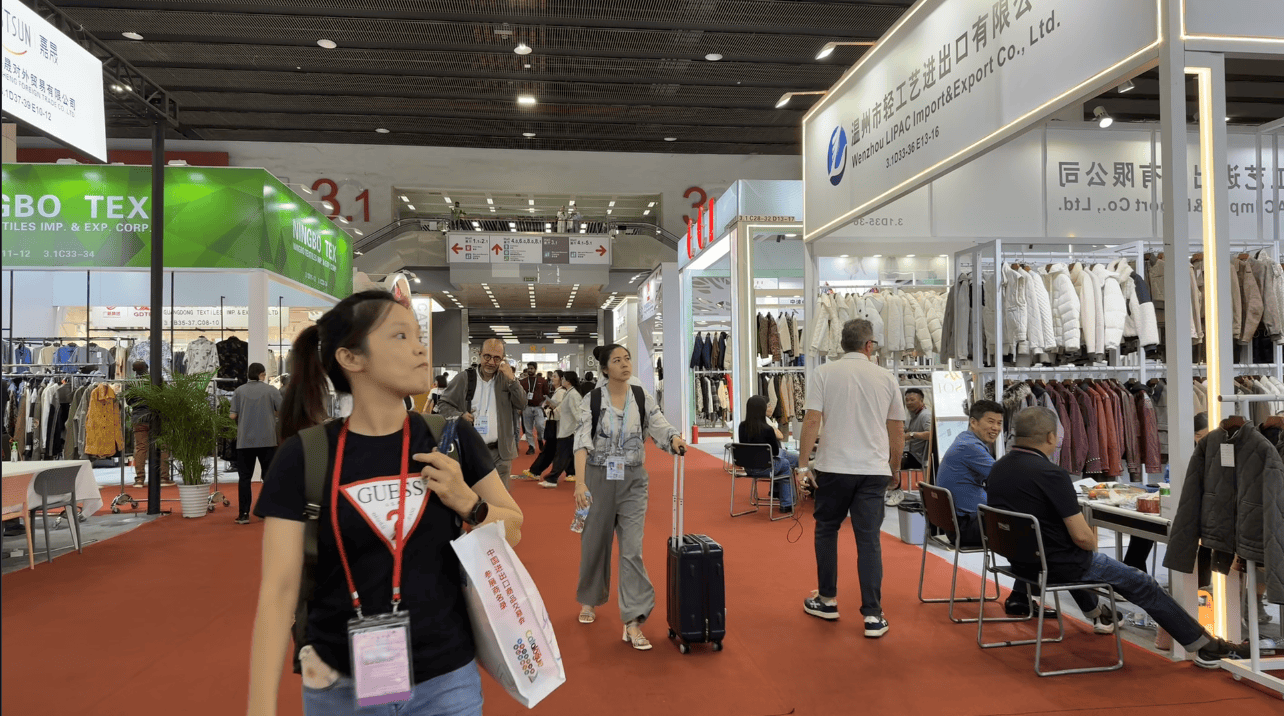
pixel 478 514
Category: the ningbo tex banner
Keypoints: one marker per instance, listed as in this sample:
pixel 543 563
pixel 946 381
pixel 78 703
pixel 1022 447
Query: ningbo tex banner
pixel 60 215
pixel 951 80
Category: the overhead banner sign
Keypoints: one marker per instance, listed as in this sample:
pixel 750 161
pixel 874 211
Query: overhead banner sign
pixel 951 80
pixel 52 83
pixel 192 318
pixel 527 249
pixel 68 215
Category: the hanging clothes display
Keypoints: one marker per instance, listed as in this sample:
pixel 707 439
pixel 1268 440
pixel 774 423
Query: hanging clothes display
pixel 233 362
pixel 102 424
pixel 903 320
pixel 142 351
pixel 201 356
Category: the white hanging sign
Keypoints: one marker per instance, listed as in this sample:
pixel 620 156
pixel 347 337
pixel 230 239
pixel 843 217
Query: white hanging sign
pixel 951 80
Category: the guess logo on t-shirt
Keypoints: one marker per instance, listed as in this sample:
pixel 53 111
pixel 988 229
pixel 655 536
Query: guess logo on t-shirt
pixel 377 500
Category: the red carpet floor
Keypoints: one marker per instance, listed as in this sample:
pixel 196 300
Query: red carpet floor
pixel 158 621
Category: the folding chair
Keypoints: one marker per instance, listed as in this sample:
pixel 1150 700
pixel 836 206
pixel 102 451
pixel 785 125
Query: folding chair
pixel 15 503
pixel 57 482
pixel 938 503
pixel 753 462
pixel 1017 538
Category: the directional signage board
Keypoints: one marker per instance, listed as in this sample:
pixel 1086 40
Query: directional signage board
pixel 527 249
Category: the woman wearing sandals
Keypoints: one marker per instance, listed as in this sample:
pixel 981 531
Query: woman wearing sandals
pixel 613 481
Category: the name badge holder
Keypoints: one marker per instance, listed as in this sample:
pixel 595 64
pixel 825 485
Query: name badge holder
pixel 615 463
pixel 382 666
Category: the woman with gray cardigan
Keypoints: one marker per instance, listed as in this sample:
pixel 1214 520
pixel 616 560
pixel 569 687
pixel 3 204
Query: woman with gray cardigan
pixel 613 484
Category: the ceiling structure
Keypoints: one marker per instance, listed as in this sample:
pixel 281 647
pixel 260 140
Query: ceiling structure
pixel 670 76
pixel 491 205
pixel 623 75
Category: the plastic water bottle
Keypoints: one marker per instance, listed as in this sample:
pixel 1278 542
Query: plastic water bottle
pixel 581 514
pixel 13 451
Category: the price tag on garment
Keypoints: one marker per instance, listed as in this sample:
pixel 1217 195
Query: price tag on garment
pixel 615 468
pixel 1228 455
pixel 381 669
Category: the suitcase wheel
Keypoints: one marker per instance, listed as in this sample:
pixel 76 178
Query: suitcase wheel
pixel 717 646
pixel 683 648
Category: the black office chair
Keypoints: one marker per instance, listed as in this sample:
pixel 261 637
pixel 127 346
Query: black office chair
pixel 1017 538
pixel 753 462
pixel 60 483
pixel 938 503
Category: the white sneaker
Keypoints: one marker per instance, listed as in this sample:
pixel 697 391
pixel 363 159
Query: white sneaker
pixel 547 485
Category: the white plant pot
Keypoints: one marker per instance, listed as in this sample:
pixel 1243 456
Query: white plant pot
pixel 194 499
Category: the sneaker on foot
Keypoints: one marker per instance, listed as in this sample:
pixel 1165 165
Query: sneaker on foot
pixel 1211 655
pixel 242 519
pixel 817 608
pixel 875 627
pixel 530 451
pixel 547 485
pixel 1104 623
pixel 570 478
pixel 528 475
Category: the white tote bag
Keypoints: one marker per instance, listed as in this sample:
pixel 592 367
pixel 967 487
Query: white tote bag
pixel 514 636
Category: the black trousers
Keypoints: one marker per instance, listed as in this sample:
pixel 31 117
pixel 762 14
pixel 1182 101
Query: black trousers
pixel 245 460
pixel 970 536
pixel 565 461
pixel 548 450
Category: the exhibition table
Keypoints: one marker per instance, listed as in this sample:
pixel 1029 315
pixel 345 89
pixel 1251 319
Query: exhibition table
pixel 87 493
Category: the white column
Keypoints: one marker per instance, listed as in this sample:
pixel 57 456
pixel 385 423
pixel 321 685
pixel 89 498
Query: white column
pixel 675 372
pixel 1177 301
pixel 744 323
pixel 258 309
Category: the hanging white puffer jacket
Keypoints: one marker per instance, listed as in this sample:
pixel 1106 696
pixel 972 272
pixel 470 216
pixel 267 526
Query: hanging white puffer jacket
pixel 1123 271
pixel 1042 339
pixel 920 302
pixel 1016 313
pixel 1090 318
pixel 823 324
pixel 1048 338
pixel 912 311
pixel 935 311
pixel 1114 310
pixel 842 310
pixel 893 322
pixel 1066 309
pixel 872 311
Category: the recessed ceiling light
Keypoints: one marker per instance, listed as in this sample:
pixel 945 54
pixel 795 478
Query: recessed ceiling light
pixel 411 207
pixel 713 57
pixel 328 44
pixel 650 205
pixel 791 236
pixel 877 256
pixel 527 65
pixel 612 203
pixel 132 35
pixel 526 99
pixel 522 48
pixel 645 212
pixel 448 201
pixel 405 198
pixel 909 256
pixel 571 202
pixel 945 256
pixel 528 135
pixel 670 139
pixel 492 210
pixel 843 256
pixel 512 224
pixel 382 130
pixel 609 210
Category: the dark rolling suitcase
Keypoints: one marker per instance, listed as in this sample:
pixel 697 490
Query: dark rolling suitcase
pixel 697 599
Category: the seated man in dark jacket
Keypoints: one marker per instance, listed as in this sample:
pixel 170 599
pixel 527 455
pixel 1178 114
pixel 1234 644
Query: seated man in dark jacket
pixel 1027 481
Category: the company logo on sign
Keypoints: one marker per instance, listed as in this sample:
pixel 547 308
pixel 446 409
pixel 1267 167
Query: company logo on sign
pixel 16 32
pixel 837 162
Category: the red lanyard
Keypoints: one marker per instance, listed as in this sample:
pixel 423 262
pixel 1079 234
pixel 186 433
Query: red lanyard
pixel 398 536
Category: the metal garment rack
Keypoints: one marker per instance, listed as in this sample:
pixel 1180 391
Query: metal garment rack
pixel 1255 667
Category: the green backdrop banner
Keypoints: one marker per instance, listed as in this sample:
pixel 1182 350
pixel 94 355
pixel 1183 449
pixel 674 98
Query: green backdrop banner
pixel 64 215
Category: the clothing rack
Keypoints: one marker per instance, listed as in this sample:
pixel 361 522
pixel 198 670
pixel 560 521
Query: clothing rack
pixel 772 370
pixel 1255 667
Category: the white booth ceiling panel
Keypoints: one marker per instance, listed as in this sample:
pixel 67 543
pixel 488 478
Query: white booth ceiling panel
pixel 995 195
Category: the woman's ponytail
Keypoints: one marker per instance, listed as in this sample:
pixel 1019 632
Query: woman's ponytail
pixel 303 405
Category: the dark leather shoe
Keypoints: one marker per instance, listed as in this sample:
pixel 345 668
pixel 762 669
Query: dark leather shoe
pixel 1022 609
pixel 530 451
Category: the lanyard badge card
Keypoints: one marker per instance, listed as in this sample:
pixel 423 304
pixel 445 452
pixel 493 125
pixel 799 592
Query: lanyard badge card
pixel 380 648
pixel 615 463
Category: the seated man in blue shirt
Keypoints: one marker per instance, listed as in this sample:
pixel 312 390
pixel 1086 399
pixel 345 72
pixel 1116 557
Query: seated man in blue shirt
pixel 1027 481
pixel 964 470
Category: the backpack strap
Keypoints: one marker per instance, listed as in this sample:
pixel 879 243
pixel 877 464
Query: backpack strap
pixel 595 407
pixel 472 388
pixel 316 457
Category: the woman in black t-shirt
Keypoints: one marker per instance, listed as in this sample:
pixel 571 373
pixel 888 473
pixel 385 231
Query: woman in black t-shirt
pixel 368 345
pixel 755 430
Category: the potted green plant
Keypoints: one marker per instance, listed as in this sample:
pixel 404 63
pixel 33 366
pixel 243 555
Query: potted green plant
pixel 189 426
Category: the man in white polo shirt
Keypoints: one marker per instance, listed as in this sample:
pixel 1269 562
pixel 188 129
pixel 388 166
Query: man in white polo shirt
pixel 860 406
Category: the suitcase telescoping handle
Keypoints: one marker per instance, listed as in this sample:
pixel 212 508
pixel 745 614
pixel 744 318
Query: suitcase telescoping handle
pixel 679 487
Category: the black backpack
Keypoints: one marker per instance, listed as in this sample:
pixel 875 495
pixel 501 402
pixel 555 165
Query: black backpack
pixel 595 407
pixel 316 458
